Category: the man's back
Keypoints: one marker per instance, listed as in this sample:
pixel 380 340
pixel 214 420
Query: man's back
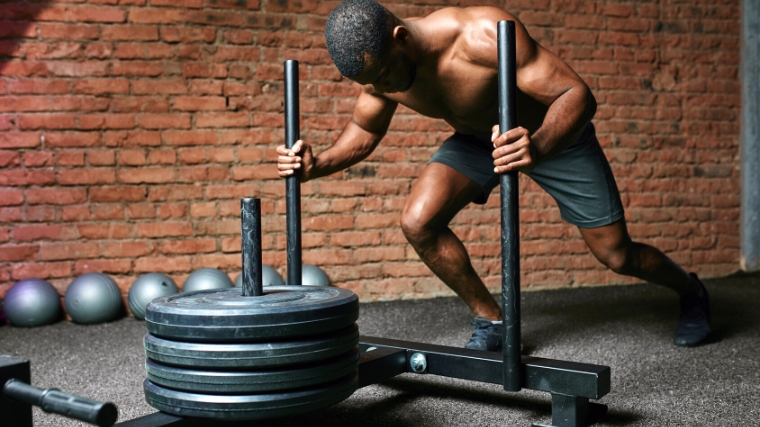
pixel 457 74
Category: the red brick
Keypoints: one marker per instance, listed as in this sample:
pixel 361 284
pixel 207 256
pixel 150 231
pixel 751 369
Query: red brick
pixel 175 192
pixel 28 233
pixel 221 155
pixel 56 196
pixel 172 210
pixel 162 86
pixel 192 4
pixel 132 157
pixel 146 175
pixel 201 210
pixel 138 68
pixel 105 231
pixel 69 31
pixel 239 36
pixel 132 139
pixel 96 14
pixel 46 121
pixel 163 265
pixel 195 70
pixel 72 139
pixel 98 50
pixel 162 157
pixel 164 121
pixel 207 87
pixel 141 210
pixel 237 191
pixel 101 86
pixel 199 103
pixel 236 53
pixel 220 261
pixel 7 122
pixel 107 211
pixel 190 137
pixel 9 159
pixel 188 246
pixel 129 32
pixel 41 270
pixel 157 16
pixel 78 69
pixel 90 176
pixel 244 173
pixel 234 4
pixel 117 194
pixel 206 173
pixel 121 266
pixel 223 120
pixel 18 177
pixel 106 121
pixel 11 214
pixel 19 140
pixel 128 249
pixel 352 239
pixel 75 213
pixel 38 86
pixel 175 34
pixel 10 197
pixel 66 251
pixel 101 157
pixel 165 229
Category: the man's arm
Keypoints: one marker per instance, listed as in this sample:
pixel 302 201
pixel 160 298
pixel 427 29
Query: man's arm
pixel 368 125
pixel 571 106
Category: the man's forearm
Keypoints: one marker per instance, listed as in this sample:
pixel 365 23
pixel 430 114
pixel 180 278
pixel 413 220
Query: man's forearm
pixel 564 122
pixel 352 146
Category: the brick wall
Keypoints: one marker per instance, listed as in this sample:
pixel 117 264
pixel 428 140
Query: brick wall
pixel 130 129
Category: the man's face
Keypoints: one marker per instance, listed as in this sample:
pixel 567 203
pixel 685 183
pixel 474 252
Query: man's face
pixel 392 72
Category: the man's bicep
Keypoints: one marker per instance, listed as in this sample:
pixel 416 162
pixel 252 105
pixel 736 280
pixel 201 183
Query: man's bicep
pixel 545 77
pixel 373 113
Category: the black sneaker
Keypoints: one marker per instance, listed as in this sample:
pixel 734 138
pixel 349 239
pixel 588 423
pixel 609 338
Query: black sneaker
pixel 694 323
pixel 488 336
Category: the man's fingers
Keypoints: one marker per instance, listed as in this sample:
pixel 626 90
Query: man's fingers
pixel 296 148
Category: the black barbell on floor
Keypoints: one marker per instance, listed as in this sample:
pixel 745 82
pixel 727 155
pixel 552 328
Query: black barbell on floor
pixel 17 398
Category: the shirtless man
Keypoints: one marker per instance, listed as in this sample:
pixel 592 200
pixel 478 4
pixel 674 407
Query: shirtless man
pixel 444 66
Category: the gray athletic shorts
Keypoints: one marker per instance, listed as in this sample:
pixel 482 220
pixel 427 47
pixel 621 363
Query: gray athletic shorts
pixel 579 178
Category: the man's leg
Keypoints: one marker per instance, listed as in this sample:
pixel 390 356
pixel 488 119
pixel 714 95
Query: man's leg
pixel 438 195
pixel 612 245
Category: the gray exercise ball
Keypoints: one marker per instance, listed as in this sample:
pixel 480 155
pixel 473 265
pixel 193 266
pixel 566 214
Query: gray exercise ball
pixel 147 288
pixel 205 279
pixel 32 302
pixel 269 277
pixel 92 298
pixel 311 275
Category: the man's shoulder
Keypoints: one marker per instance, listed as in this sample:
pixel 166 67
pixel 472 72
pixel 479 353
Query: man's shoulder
pixel 471 14
pixel 472 30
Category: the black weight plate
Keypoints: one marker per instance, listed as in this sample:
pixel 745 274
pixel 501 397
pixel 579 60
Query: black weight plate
pixel 265 380
pixel 249 355
pixel 251 406
pixel 224 315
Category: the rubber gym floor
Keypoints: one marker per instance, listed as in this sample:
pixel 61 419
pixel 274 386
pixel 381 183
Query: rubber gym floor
pixel 628 328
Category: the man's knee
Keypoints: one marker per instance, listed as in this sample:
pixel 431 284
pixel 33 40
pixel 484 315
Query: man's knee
pixel 618 260
pixel 415 228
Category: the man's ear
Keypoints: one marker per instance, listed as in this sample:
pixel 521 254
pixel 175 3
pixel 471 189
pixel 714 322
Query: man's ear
pixel 400 33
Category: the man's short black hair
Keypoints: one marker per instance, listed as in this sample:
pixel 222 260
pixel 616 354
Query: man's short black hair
pixel 356 27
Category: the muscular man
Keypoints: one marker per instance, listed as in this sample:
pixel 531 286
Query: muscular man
pixel 445 66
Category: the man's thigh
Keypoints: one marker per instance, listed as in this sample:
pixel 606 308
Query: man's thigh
pixel 581 181
pixel 439 194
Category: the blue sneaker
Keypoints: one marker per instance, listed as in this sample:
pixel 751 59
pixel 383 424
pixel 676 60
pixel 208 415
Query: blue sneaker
pixel 488 336
pixel 694 323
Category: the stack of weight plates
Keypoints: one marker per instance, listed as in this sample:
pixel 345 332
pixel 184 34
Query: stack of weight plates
pixel 218 354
